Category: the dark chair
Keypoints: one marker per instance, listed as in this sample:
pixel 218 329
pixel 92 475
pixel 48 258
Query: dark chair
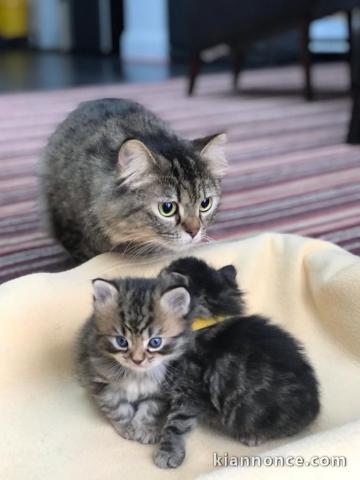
pixel 240 23
pixel 354 126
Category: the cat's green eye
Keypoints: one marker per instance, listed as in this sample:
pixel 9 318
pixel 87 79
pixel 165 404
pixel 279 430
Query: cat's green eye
pixel 206 204
pixel 168 209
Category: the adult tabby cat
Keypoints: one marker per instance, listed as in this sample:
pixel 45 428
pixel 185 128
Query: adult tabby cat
pixel 152 376
pixel 115 177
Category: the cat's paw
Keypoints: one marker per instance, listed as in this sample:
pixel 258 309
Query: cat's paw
pixel 169 459
pixel 148 435
pixel 143 434
pixel 251 441
pixel 122 431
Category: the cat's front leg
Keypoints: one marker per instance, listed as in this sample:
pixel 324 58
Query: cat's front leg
pixel 118 410
pixel 148 420
pixel 121 419
pixel 181 420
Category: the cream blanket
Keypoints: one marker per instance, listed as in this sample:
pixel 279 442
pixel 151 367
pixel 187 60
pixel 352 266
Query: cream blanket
pixel 50 429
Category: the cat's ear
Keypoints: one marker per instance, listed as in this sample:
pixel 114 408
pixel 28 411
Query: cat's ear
pixel 134 160
pixel 104 291
pixel 229 273
pixel 169 280
pixel 105 297
pixel 175 302
pixel 174 296
pixel 211 149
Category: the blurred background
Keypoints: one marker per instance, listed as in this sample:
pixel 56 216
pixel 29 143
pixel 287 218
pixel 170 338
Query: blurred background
pixel 281 77
pixel 58 43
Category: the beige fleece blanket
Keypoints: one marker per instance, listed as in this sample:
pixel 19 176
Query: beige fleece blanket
pixel 50 429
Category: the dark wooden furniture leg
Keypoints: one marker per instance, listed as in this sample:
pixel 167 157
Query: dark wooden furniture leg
pixel 354 127
pixel 238 58
pixel 351 47
pixel 305 58
pixel 195 63
pixel 354 44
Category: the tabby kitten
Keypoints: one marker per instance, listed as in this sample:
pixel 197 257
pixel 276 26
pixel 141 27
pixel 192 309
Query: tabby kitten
pixel 153 377
pixel 138 328
pixel 243 376
pixel 115 177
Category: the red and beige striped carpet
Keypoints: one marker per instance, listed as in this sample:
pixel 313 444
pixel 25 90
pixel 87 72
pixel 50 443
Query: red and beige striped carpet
pixel 290 169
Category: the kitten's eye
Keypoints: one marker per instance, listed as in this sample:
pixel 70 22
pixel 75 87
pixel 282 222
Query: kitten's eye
pixel 155 343
pixel 121 342
pixel 168 209
pixel 206 204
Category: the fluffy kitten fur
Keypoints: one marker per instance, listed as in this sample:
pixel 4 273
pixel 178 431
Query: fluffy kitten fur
pixel 213 292
pixel 107 169
pixel 244 376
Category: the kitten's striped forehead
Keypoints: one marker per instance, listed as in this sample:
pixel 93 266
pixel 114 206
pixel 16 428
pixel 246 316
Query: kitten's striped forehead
pixel 139 313
pixel 136 311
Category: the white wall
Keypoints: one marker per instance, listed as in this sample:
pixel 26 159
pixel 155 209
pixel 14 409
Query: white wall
pixel 44 23
pixel 329 35
pixel 145 36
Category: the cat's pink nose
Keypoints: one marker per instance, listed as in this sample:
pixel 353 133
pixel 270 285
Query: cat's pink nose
pixel 191 227
pixel 137 361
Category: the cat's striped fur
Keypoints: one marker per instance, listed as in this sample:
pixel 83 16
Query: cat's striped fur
pixel 108 168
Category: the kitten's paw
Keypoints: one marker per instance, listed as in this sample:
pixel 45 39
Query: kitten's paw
pixel 147 435
pixel 251 441
pixel 143 434
pixel 128 433
pixel 169 459
pixel 122 431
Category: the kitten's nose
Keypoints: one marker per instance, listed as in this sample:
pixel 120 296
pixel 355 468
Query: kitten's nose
pixel 136 361
pixel 191 227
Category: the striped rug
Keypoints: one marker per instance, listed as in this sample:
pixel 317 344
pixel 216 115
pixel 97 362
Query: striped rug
pixel 290 169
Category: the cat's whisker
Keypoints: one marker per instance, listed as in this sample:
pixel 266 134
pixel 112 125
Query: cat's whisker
pixel 206 235
pixel 132 254
pixel 136 251
pixel 206 238
pixel 127 239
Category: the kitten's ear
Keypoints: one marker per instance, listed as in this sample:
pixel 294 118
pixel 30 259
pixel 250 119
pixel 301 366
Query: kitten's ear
pixel 175 302
pixel 229 273
pixel 211 148
pixel 104 291
pixel 169 280
pixel 134 160
pixel 174 297
pixel 105 296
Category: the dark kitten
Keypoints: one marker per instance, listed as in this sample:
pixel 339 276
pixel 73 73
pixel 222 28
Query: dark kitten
pixel 243 376
pixel 213 292
pixel 115 177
